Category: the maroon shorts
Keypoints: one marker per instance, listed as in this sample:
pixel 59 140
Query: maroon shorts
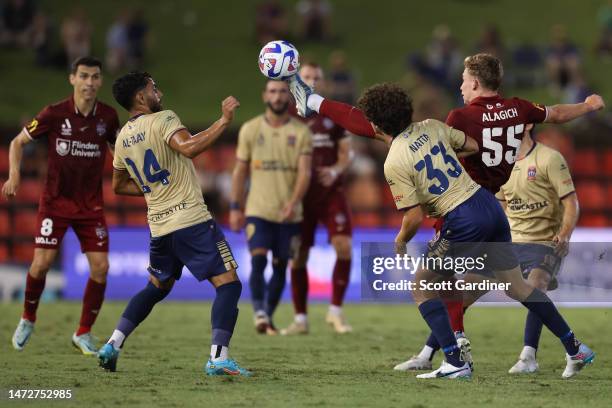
pixel 92 232
pixel 333 212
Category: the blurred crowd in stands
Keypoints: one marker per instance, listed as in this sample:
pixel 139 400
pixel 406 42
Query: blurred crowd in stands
pixel 23 25
pixel 433 76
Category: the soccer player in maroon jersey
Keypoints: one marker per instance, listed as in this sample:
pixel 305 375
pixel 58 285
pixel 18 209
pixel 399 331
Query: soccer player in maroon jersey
pixel 324 202
pixel 78 130
pixel 496 123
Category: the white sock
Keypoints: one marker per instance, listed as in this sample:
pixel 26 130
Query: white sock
pixel 218 353
pixel 335 310
pixel 528 352
pixel 314 102
pixel 426 353
pixel 301 318
pixel 117 339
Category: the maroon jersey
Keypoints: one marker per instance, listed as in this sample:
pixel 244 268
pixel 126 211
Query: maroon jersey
pixel 325 137
pixel 497 124
pixel 77 147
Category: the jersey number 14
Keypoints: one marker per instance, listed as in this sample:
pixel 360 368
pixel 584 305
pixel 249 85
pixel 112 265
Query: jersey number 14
pixel 152 171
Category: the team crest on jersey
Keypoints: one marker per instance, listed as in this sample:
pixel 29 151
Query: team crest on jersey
pixel 101 232
pixel 291 140
pixel 66 128
pixel 340 219
pixel 101 128
pixel 531 173
pixel 328 123
pixel 62 146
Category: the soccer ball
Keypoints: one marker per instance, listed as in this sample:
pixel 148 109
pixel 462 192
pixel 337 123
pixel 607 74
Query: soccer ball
pixel 279 60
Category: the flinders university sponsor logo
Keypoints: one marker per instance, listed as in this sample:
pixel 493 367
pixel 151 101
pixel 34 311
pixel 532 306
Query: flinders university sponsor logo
pixel 89 150
pixel 63 147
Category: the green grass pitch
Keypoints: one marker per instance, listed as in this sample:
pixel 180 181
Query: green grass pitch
pixel 161 364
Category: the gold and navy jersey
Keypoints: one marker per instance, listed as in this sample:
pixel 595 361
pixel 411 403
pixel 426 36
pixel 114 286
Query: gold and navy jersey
pixel 273 154
pixel 533 194
pixel 168 179
pixel 422 168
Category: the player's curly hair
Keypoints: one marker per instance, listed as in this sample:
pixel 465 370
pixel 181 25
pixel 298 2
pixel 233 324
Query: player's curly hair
pixel 487 68
pixel 126 87
pixel 388 106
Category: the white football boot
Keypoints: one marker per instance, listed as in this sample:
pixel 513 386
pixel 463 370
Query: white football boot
pixel 449 371
pixel 576 363
pixel 527 363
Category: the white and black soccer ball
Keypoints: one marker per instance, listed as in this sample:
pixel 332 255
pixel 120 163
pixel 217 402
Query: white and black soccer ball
pixel 279 60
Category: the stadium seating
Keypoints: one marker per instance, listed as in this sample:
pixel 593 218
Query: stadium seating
pixel 586 162
pixel 30 191
pixel 26 223
pixel 591 195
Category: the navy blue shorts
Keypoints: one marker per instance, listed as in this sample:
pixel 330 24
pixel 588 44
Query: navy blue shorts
pixel 282 239
pixel 201 247
pixel 538 256
pixel 477 228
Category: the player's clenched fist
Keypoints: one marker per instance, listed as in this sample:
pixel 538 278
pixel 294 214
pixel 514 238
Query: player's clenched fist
pixel 228 106
pixel 9 189
pixel 595 101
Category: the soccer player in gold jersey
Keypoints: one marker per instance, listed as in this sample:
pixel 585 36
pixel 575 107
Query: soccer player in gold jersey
pixel 275 148
pixel 153 158
pixel 542 208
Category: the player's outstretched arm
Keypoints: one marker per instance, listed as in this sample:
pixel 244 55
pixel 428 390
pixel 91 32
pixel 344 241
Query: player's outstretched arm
pixel 301 186
pixel 10 187
pixel 563 113
pixel 413 218
pixel 124 185
pixel 191 146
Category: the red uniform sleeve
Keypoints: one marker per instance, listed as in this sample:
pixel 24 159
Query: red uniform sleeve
pixel 111 135
pixel 454 120
pixel 532 112
pixel 347 116
pixel 41 124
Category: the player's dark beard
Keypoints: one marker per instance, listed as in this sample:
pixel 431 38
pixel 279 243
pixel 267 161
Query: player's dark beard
pixel 155 106
pixel 278 110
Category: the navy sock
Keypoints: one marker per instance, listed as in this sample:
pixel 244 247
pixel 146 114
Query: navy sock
pixel 436 316
pixel 257 282
pixel 433 343
pixel 139 308
pixel 276 284
pixel 224 312
pixel 541 305
pixel 533 330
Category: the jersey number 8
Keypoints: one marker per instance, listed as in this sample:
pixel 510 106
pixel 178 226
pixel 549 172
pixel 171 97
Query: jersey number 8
pixel 152 171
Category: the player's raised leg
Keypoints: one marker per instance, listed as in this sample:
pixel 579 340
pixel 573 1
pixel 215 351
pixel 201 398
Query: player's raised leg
pixel 92 302
pixel 35 284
